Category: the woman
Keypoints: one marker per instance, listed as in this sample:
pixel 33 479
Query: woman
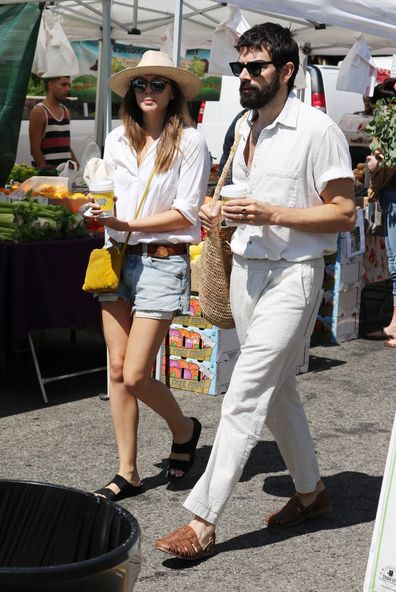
pixel 158 148
pixel 384 180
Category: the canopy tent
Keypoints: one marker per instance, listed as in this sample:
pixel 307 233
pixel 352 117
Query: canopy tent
pixel 324 27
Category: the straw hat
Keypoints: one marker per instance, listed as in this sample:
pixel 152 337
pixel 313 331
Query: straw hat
pixel 156 63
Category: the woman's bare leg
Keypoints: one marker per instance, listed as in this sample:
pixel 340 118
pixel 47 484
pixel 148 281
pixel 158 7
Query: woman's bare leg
pixel 145 339
pixel 117 323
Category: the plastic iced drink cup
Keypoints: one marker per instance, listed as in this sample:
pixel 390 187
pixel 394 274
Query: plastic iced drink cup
pixel 229 192
pixel 103 194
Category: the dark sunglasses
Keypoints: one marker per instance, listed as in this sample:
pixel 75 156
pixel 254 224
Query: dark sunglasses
pixel 139 85
pixel 254 68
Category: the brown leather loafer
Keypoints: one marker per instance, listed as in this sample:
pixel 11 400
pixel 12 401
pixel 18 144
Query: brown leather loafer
pixel 294 512
pixel 183 543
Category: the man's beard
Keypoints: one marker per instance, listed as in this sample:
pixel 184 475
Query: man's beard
pixel 255 98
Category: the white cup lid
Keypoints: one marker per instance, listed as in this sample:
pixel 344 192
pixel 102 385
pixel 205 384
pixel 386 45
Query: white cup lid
pixel 101 185
pixel 233 191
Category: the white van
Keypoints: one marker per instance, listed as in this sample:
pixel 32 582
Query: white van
pixel 320 92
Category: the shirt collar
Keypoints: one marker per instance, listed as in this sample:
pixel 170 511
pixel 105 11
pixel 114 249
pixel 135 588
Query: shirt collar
pixel 287 117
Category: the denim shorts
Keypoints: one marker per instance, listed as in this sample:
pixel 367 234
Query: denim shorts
pixel 157 287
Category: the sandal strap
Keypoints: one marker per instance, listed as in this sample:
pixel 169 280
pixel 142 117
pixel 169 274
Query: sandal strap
pixel 183 543
pixel 294 511
pixel 120 482
pixel 188 447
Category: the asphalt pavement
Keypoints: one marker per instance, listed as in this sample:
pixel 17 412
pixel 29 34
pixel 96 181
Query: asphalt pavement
pixel 349 395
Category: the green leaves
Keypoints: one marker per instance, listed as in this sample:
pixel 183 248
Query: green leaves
pixel 382 128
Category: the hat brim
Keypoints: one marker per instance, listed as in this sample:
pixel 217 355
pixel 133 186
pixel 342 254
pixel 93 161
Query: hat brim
pixel 188 82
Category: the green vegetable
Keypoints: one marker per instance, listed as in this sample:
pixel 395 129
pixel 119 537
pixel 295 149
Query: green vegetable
pixel 21 172
pixel 29 220
pixel 382 128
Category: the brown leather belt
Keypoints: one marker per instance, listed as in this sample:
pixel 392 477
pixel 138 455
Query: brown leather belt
pixel 158 250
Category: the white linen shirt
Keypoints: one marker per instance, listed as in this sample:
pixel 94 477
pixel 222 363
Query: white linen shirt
pixel 183 187
pixel 294 159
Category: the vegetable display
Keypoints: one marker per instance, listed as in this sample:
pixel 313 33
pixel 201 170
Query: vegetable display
pixel 29 220
pixel 382 128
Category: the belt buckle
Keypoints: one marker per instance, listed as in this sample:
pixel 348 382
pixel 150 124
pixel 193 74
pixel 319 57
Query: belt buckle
pixel 161 251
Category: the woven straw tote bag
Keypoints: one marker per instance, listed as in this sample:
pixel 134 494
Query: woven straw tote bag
pixel 215 263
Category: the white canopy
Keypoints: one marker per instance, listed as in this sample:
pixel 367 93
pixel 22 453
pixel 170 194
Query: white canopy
pixel 143 22
pixel 326 26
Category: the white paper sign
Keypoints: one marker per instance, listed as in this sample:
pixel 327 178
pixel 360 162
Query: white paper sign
pixel 393 67
pixel 381 567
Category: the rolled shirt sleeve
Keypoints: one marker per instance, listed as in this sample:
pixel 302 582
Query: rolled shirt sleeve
pixel 332 160
pixel 193 175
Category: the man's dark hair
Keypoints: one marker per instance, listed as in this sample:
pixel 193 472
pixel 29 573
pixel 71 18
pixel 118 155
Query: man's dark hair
pixel 47 80
pixel 385 90
pixel 279 43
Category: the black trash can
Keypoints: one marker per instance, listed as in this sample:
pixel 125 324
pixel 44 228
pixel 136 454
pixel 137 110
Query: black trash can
pixel 53 538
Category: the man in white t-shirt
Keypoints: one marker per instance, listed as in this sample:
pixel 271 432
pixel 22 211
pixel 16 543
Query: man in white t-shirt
pixel 295 164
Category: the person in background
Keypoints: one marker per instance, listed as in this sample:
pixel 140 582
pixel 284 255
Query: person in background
pixel 384 181
pixel 368 107
pixel 295 164
pixel 228 141
pixel 157 148
pixel 49 126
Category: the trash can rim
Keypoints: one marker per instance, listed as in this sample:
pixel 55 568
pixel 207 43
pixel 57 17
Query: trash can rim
pixel 71 570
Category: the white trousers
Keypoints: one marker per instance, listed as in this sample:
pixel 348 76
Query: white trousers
pixel 274 304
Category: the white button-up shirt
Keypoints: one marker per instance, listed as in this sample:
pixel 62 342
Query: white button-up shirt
pixel 183 187
pixel 294 159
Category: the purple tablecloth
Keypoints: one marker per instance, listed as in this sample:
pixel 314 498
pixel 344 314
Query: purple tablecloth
pixel 40 288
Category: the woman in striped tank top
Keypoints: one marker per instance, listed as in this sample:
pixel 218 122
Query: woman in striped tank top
pixel 49 126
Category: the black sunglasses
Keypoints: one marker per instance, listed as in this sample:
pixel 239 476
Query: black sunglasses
pixel 254 68
pixel 157 86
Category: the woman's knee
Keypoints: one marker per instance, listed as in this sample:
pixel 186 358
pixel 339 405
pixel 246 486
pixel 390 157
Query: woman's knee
pixel 116 368
pixel 136 381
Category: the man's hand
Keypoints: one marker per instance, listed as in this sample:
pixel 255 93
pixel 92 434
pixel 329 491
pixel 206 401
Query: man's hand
pixel 372 163
pixel 248 211
pixel 210 215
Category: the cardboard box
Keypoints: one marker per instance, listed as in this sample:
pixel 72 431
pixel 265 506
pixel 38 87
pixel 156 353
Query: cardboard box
pixel 335 303
pixel 341 277
pixel 211 345
pixel 189 374
pixel 336 329
pixel 195 319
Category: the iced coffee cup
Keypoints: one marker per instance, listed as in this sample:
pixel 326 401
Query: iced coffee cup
pixel 103 195
pixel 232 192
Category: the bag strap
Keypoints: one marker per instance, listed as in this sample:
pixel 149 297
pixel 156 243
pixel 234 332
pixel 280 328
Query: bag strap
pixel 230 158
pixel 139 208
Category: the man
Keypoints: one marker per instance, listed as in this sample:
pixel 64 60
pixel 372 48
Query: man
pixel 49 126
pixel 295 163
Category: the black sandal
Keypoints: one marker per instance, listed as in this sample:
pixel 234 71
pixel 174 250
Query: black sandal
pixel 126 489
pixel 185 448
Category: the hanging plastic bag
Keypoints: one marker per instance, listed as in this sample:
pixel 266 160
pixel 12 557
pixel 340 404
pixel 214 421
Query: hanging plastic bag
pixel 54 55
pixel 91 152
pixel 357 71
pixel 68 169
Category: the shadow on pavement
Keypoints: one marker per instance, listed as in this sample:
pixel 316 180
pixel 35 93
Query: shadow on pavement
pixel 59 352
pixel 355 499
pixel 264 458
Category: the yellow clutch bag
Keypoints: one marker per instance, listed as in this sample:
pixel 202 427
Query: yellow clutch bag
pixel 103 270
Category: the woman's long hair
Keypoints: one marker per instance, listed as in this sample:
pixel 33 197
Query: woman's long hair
pixel 177 117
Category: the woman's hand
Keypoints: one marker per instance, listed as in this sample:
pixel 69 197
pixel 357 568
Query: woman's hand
pixel 210 215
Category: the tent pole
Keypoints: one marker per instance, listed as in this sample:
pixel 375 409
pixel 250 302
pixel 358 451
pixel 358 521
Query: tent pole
pixel 103 93
pixel 177 31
